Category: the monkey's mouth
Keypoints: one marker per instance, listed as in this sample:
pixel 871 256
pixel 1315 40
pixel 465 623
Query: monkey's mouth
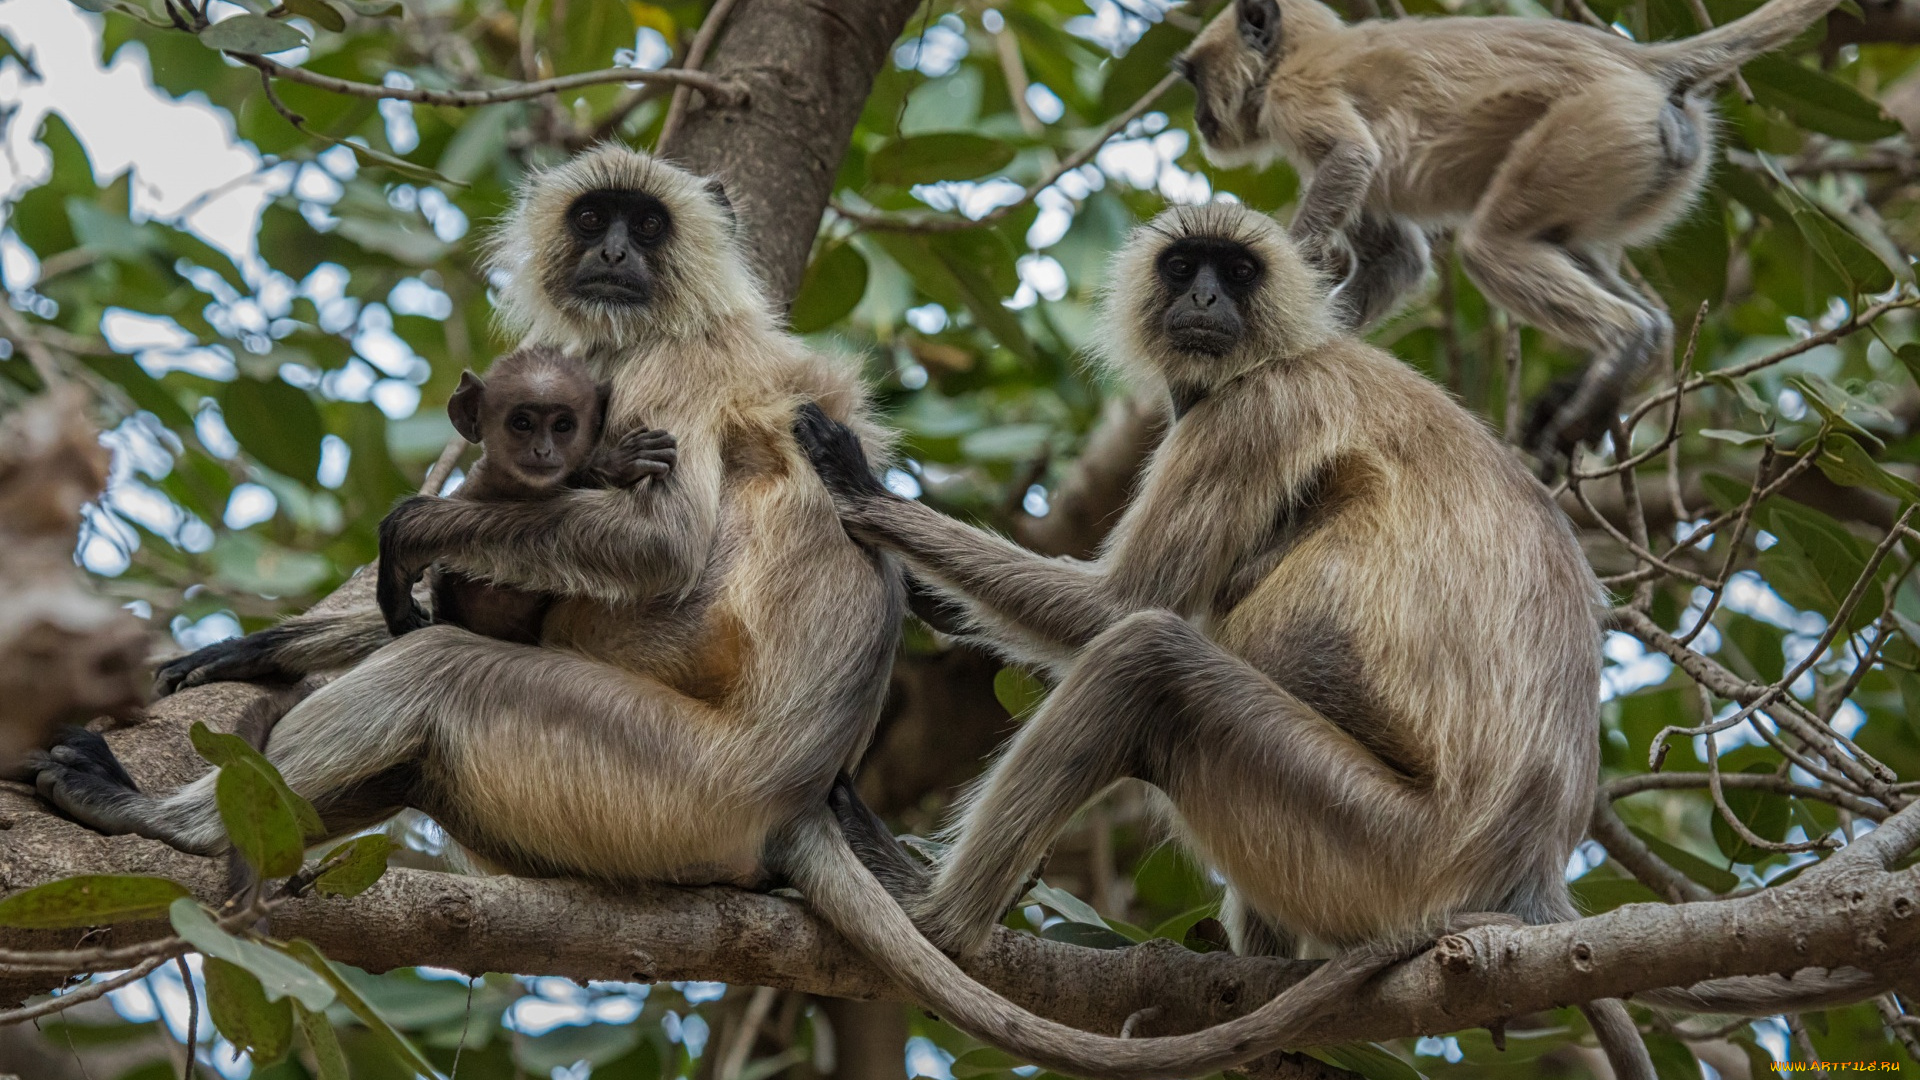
pixel 617 289
pixel 1200 335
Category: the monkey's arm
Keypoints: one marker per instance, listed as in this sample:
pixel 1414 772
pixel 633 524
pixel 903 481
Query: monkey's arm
pixel 1342 175
pixel 616 545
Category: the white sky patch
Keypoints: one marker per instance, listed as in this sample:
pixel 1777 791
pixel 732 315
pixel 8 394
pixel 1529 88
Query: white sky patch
pixel 1041 276
pixel 335 456
pixel 925 1058
pixel 1145 161
pixel 1630 667
pixel 131 331
pixel 973 199
pixel 180 150
pixel 1035 502
pixel 650 51
pixel 397 399
pixel 385 349
pixel 249 505
pixel 902 483
pixel 927 318
pixel 402 133
pixel 1110 26
pixel 936 52
pixel 1749 595
pixel 413 296
pixel 1046 105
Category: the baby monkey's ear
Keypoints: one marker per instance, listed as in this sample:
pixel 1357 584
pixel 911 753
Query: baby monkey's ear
pixel 466 405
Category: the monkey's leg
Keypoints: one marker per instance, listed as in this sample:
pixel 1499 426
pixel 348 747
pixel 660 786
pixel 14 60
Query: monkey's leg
pixel 287 652
pixel 1153 698
pixel 1251 933
pixel 873 843
pixel 1593 173
pixel 1390 256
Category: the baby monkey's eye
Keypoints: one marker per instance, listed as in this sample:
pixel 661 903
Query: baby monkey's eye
pixel 589 220
pixel 1242 271
pixel 562 426
pixel 521 423
pixel 652 225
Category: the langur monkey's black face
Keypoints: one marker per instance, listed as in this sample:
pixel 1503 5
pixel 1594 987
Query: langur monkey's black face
pixel 617 235
pixel 1208 282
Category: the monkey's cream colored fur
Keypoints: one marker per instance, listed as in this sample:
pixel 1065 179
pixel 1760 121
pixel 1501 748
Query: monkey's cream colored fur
pixel 1550 147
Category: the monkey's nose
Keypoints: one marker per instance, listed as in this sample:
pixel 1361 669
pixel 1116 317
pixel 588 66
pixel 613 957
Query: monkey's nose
pixel 612 254
pixel 1203 299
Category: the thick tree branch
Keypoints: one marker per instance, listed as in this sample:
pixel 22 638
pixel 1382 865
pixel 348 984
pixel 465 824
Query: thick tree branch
pixel 1850 912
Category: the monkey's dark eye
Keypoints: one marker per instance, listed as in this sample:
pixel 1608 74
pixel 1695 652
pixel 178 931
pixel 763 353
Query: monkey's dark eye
pixel 587 219
pixel 521 423
pixel 1180 266
pixel 651 226
pixel 1242 271
pixel 562 426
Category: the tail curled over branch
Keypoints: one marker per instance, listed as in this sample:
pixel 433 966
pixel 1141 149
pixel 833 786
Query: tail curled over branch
pixel 852 900
pixel 1705 59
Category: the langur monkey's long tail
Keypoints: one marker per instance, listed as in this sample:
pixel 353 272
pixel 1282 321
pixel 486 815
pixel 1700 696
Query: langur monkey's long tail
pixel 851 899
pixel 847 895
pixel 1707 58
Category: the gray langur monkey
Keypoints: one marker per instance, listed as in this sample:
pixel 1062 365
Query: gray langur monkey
pixel 1551 146
pixel 716 653
pixel 538 417
pixel 1340 627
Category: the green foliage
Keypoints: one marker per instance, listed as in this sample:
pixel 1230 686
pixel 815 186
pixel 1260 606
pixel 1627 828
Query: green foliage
pixel 90 900
pixel 991 400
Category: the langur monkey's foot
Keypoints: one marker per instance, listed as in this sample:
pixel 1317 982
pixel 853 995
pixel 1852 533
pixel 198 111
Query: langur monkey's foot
pixel 958 925
pixel 834 451
pixel 241 659
pixel 80 776
pixel 1557 426
pixel 903 876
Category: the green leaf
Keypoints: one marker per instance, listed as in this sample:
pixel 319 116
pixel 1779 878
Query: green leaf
pixel 366 860
pixel 1816 562
pixel 834 284
pixel 1763 812
pixel 1847 463
pixel 266 820
pixel 374 9
pixel 280 975
pixel 239 1008
pixel 322 13
pixel 1737 438
pixel 395 1043
pixel 1091 937
pixel 1859 265
pixel 1671 1058
pixel 927 159
pixel 1371 1060
pixel 1713 877
pixel 1817 101
pixel 275 422
pixel 1018 691
pixel 319 1033
pixel 1065 904
pixel 1006 442
pixel 90 900
pixel 985 1061
pixel 10 51
pixel 252 34
pixel 1175 929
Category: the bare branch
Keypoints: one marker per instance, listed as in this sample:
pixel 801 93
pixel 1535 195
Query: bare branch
pixel 719 89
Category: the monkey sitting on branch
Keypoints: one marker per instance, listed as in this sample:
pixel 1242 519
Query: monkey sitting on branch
pixel 538 417
pixel 1551 147
pixel 716 656
pixel 1342 629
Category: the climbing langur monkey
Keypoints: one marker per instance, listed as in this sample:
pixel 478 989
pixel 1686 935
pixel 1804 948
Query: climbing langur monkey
pixel 1339 626
pixel 538 417
pixel 716 654
pixel 1551 147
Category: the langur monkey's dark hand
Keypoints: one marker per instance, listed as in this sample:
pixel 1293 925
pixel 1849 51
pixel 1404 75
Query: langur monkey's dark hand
pixel 641 454
pixel 1328 254
pixel 399 569
pixel 835 453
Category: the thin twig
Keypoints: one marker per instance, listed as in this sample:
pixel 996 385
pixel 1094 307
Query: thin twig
pixel 722 90
pixel 755 1014
pixel 710 28
pixel 443 466
pixel 932 223
pixel 85 993
pixel 1680 371
pixel 193 1017
pixel 1779 785
pixel 42 359
pixel 1638 859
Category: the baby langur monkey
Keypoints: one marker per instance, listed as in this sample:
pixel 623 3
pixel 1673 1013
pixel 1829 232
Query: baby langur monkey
pixel 1550 146
pixel 538 417
pixel 1342 629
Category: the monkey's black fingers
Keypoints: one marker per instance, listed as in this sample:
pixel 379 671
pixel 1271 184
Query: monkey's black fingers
pixel 834 450
pixel 1563 417
pixel 241 659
